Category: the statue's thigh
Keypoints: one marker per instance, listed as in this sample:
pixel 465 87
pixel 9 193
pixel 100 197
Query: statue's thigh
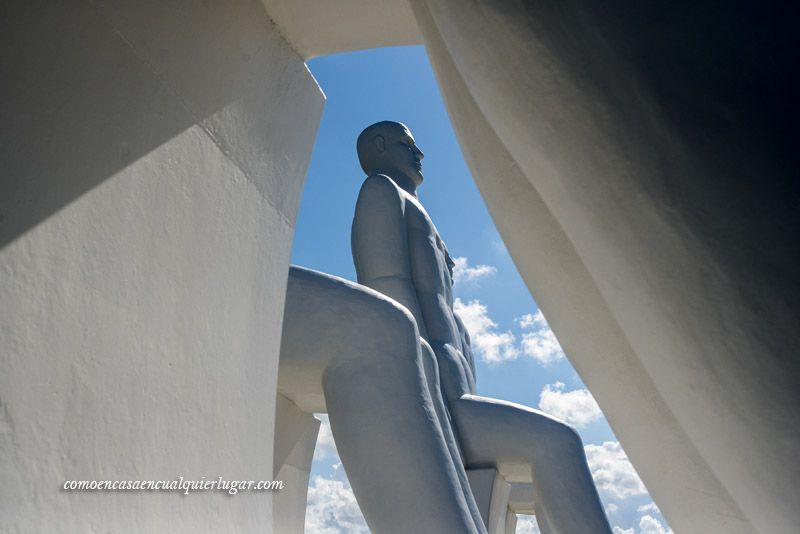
pixel 509 436
pixel 328 319
pixel 331 313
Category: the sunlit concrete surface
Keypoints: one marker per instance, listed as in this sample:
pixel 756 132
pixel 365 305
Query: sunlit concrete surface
pixel 152 162
pixel 639 161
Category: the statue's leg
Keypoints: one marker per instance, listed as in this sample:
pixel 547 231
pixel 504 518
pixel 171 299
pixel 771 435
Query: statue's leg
pixel 448 428
pixel 526 445
pixel 365 350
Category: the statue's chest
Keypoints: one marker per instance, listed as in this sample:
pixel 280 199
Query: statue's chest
pixel 418 220
pixel 423 233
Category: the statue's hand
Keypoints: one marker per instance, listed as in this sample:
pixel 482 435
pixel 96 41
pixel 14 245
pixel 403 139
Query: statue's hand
pixel 455 372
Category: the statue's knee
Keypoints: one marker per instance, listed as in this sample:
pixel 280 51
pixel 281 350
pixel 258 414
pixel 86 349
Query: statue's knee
pixel 392 321
pixel 549 436
pixel 564 436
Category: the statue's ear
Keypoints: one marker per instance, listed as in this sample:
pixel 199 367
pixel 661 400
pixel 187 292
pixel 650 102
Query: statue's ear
pixel 380 143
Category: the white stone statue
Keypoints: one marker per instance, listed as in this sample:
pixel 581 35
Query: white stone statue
pixel 398 376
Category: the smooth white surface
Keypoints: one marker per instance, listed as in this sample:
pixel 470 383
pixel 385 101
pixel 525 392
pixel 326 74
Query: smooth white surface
pixel 520 498
pixel 491 493
pixel 152 162
pixel 295 439
pixel 318 27
pixel 640 227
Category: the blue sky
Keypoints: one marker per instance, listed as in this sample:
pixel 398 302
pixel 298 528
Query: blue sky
pixel 520 359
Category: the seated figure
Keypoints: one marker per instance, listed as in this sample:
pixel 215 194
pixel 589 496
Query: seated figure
pixel 356 354
pixel 398 379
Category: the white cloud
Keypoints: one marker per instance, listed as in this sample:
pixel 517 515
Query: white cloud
pixel 332 509
pixel 650 525
pixel 652 507
pixel 325 444
pixel 541 343
pixel 492 346
pixel 527 320
pixel 612 471
pixel 576 407
pixel 620 530
pixel 611 508
pixel 462 272
pixel 526 524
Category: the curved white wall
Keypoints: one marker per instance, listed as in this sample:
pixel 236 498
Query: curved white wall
pixel 152 159
pixel 647 188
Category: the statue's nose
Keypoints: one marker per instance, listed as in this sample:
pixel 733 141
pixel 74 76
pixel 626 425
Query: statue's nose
pixel 419 153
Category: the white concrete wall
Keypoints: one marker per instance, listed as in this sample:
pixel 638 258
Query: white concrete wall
pixel 152 160
pixel 295 440
pixel 319 27
pixel 639 162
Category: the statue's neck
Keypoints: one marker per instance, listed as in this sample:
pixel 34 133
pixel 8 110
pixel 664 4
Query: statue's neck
pixel 405 183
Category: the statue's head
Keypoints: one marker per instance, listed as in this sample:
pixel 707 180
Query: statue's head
pixel 388 148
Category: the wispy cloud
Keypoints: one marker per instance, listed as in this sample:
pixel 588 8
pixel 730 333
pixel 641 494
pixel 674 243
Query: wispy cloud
pixel 650 525
pixel 647 525
pixel 489 344
pixel 463 272
pixel 526 524
pixel 613 473
pixel 651 507
pixel 576 407
pixel 493 345
pixel 332 508
pixel 539 342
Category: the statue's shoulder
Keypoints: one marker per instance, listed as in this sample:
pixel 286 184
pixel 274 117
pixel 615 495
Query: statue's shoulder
pixel 380 188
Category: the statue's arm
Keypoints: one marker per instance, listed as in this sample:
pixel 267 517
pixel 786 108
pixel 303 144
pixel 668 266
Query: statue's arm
pixel 466 344
pixel 380 245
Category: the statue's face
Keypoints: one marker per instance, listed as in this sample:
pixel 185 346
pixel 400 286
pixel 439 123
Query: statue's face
pixel 401 153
